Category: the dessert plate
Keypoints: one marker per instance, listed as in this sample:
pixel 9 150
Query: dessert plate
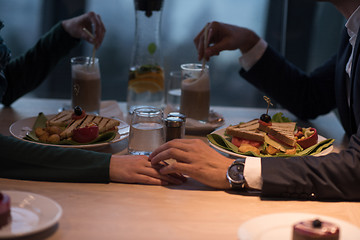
pixel 215 121
pixel 20 128
pixel 279 226
pixel 30 213
pixel 222 131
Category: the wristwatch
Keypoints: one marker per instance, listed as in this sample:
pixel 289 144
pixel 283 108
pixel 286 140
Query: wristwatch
pixel 235 174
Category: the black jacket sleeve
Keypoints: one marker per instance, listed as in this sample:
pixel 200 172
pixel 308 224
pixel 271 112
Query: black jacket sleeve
pixel 305 95
pixel 335 176
pixel 30 161
pixel 28 71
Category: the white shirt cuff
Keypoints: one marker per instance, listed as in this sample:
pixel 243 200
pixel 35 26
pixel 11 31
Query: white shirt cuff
pixel 252 172
pixel 248 60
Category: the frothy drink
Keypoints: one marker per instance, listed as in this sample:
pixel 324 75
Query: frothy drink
pixel 195 97
pixel 86 86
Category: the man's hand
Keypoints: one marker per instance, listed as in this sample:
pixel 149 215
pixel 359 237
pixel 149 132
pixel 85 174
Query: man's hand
pixel 195 159
pixel 222 37
pixel 138 169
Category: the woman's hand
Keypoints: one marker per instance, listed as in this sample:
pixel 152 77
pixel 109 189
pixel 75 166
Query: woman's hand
pixel 92 22
pixel 222 37
pixel 195 159
pixel 138 169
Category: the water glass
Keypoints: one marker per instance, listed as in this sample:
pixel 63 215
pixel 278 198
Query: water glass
pixel 86 84
pixel 146 130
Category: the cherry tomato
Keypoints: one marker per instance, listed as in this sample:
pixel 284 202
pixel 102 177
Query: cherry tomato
pixel 85 134
pixel 238 141
pixel 78 113
pixel 265 123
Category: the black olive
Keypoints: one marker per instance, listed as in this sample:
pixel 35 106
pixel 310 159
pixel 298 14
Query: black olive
pixel 77 111
pixel 265 118
pixel 317 223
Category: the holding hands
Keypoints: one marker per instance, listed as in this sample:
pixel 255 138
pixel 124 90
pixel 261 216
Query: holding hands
pixel 195 159
pixel 90 21
pixel 222 37
pixel 138 169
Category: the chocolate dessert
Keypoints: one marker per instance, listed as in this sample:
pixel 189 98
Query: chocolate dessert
pixel 5 216
pixel 315 229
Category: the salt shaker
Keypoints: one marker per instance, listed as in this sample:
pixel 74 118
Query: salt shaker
pixel 174 128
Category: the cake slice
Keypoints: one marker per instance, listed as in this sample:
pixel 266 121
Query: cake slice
pixel 5 214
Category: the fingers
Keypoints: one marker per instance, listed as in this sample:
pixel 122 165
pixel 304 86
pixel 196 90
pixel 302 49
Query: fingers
pixel 174 149
pixel 199 43
pixel 174 168
pixel 151 175
pixel 98 29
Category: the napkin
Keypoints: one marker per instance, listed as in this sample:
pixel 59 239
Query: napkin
pixel 223 143
pixel 111 109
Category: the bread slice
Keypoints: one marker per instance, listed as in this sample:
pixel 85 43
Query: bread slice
pixel 281 131
pixel 103 123
pixel 249 131
pixel 62 119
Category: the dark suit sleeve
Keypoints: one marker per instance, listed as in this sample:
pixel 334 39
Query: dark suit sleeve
pixel 28 71
pixel 335 176
pixel 29 161
pixel 305 95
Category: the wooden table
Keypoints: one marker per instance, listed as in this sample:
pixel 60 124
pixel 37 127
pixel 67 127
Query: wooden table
pixel 189 211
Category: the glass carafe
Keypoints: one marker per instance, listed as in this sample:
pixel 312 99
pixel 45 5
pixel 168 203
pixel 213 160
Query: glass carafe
pixel 146 75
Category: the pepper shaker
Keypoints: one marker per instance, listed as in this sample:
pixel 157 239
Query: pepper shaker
pixel 179 115
pixel 174 128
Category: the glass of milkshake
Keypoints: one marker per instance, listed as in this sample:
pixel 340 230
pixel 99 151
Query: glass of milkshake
pixel 86 84
pixel 195 91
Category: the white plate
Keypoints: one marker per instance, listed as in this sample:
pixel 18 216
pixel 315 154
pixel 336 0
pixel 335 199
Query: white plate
pixel 30 213
pixel 222 131
pixel 279 226
pixel 195 126
pixel 20 128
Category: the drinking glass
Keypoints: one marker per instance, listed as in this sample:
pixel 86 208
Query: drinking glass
pixel 86 84
pixel 195 91
pixel 146 130
pixel 174 90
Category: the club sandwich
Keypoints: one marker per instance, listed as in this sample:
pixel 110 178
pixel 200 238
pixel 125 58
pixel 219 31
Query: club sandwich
pixel 248 130
pixel 282 133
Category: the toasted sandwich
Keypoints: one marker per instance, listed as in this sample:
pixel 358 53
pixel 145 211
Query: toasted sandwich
pixel 249 131
pixel 62 119
pixel 281 132
pixel 103 123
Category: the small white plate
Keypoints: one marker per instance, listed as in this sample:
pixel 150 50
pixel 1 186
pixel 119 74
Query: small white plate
pixel 20 128
pixel 222 131
pixel 30 213
pixel 193 126
pixel 279 226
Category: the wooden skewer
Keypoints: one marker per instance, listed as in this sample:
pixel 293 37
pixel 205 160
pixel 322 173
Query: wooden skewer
pixel 94 50
pixel 267 99
pixel 205 45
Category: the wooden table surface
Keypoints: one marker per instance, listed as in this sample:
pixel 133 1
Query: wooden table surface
pixel 189 211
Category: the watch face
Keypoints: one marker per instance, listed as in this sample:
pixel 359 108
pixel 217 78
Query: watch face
pixel 236 173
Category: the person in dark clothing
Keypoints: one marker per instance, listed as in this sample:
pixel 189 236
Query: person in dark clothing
pixel 28 161
pixel 335 85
